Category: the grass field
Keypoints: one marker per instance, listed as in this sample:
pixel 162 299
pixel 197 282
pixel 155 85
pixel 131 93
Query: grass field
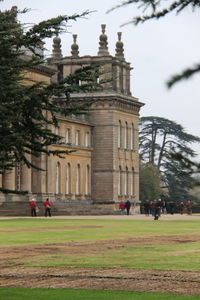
pixel 165 257
pixel 62 294
pixel 146 245
pixel 13 232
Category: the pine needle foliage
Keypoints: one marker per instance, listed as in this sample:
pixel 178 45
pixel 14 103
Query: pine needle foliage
pixel 166 145
pixel 29 109
pixel 155 10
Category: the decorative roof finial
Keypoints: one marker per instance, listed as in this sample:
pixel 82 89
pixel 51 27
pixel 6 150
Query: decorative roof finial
pixel 119 47
pixel 103 43
pixel 74 47
pixel 14 10
pixel 57 53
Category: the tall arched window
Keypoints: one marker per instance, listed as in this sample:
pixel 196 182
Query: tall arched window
pixel 57 130
pixel 133 182
pixel 126 136
pixel 58 178
pixel 87 180
pixel 77 137
pixel 67 136
pixel 18 178
pixel 126 183
pixel 119 134
pixel 120 181
pixel 78 179
pixel 87 139
pixel 68 179
pixel 132 136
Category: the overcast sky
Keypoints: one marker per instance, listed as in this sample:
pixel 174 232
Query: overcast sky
pixel 156 50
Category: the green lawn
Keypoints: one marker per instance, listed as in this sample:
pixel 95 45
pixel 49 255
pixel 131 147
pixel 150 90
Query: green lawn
pixel 62 230
pixel 62 294
pixel 184 256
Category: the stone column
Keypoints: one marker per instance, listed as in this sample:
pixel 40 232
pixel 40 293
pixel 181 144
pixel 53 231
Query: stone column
pixel 136 186
pixel 124 81
pixel 25 178
pixel 118 78
pixel 128 92
pixel 0 180
pixel 8 180
pixel 51 175
pixel 44 173
pixel 36 175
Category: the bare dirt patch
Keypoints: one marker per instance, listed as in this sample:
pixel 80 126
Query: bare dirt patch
pixel 181 282
pixel 18 254
pixel 49 228
pixel 102 278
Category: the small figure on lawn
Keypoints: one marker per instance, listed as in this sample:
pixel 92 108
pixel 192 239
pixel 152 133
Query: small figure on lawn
pixel 122 207
pixel 47 207
pixel 147 208
pixel 158 206
pixel 181 208
pixel 128 206
pixel 189 207
pixel 33 207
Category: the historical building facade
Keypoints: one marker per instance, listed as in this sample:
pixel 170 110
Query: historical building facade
pixel 103 168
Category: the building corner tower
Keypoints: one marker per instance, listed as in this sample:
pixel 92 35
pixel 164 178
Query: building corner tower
pixel 114 118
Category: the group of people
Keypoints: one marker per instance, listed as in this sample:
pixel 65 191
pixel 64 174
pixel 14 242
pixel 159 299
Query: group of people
pixel 187 206
pixel 34 207
pixel 125 206
pixel 156 207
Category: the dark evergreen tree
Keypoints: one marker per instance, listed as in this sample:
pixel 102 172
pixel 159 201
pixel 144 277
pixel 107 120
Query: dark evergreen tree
pixel 165 144
pixel 149 182
pixel 28 109
pixel 158 9
pixel 160 136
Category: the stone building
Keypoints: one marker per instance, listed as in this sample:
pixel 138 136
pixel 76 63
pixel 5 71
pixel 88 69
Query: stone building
pixel 103 169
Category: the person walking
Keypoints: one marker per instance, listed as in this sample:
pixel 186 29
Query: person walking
pixel 153 207
pixel 158 205
pixel 164 207
pixel 171 207
pixel 189 207
pixel 122 207
pixel 181 208
pixel 147 208
pixel 47 207
pixel 128 206
pixel 33 207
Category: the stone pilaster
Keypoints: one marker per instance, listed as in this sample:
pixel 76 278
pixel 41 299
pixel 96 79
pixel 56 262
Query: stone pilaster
pixel 36 175
pixel 25 178
pixel 0 180
pixel 8 180
pixel 43 174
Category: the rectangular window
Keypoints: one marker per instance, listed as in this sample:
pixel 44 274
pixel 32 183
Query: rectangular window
pixel 132 137
pixel 87 139
pixel 77 139
pixel 18 178
pixel 57 131
pixel 67 136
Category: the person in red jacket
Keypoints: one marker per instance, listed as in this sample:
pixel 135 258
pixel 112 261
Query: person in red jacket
pixel 47 208
pixel 122 207
pixel 189 207
pixel 33 207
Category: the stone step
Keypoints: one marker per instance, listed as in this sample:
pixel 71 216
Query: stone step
pixel 58 208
